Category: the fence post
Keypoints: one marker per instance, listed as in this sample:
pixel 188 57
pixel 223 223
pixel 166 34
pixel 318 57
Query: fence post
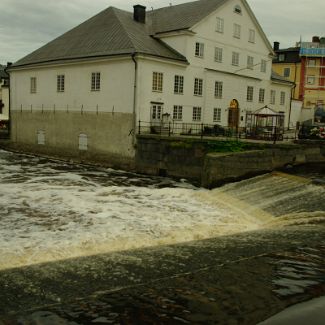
pixel 274 140
pixel 139 127
pixel 169 128
pixel 201 130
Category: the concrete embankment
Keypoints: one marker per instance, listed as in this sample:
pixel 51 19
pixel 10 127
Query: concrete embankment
pixel 200 161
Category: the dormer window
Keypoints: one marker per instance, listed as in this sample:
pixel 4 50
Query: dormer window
pixel 237 10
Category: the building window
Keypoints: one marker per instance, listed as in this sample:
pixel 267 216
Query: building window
pixel 95 81
pixel 60 83
pixel 250 93
pixel 218 89
pixel 286 72
pixel 237 9
pixel 179 85
pixel 157 81
pixel 178 113
pixel 217 115
pixel 263 66
pixel 311 62
pixel 272 97
pixel 220 25
pixel 282 98
pixel 235 58
pixel 251 36
pixel 282 57
pixel 261 95
pixel 197 111
pixel 250 62
pixel 199 49
pixel 41 137
pixel 156 112
pixel 33 85
pixel 198 87
pixel 83 141
pixel 311 80
pixel 236 31
pixel 218 54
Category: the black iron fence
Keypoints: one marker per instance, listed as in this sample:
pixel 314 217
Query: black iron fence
pixel 4 129
pixel 214 130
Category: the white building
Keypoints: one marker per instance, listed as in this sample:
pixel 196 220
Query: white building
pixel 4 94
pixel 86 91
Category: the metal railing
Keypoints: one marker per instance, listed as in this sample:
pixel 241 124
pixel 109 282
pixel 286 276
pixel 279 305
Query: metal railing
pixel 214 130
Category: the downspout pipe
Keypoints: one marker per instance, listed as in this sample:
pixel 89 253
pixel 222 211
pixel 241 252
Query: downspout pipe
pixel 135 99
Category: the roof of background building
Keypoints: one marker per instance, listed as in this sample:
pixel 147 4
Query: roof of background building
pixel 291 55
pixel 3 73
pixel 275 76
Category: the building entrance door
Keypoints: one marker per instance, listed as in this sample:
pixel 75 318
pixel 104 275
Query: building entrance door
pixel 156 113
pixel 233 116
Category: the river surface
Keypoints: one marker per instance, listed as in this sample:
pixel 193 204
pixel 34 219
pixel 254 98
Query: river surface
pixel 51 210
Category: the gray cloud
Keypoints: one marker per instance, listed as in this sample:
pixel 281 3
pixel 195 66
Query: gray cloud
pixel 27 25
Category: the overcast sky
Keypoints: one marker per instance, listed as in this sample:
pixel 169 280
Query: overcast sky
pixel 25 25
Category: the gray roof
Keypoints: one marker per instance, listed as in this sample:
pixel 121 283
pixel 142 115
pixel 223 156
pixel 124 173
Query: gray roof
pixel 114 32
pixel 182 16
pixel 275 76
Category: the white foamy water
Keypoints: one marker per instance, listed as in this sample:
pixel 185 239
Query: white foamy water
pixel 51 211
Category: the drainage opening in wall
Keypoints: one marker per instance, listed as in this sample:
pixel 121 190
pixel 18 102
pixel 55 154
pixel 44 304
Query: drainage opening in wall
pixel 162 172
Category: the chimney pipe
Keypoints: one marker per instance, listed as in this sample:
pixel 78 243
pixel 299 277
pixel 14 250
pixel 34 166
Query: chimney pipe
pixel 139 14
pixel 276 46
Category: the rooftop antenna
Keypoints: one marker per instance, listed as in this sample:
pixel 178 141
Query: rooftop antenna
pixel 151 8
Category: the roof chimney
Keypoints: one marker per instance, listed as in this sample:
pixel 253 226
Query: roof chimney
pixel 316 39
pixel 139 13
pixel 276 46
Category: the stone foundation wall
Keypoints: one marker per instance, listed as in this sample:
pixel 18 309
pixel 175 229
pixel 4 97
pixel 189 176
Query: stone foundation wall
pixel 109 136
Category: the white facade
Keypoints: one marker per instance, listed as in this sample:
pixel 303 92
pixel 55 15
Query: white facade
pixel 4 97
pixel 228 57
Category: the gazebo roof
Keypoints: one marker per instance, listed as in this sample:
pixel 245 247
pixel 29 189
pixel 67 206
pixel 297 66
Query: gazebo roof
pixel 266 111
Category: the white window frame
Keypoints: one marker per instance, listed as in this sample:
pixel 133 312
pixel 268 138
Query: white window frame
pixel 33 85
pixel 235 59
pixel 250 93
pixel 199 50
pixel 83 142
pixel 311 80
pixel 250 62
pixel 282 57
pixel 179 85
pixel 197 114
pixel 217 114
pixel 251 36
pixel 312 63
pixel 198 87
pixel 41 137
pixel 95 81
pixel 218 89
pixel 178 113
pixel 218 54
pixel 272 96
pixel 157 81
pixel 220 25
pixel 237 31
pixel 60 83
pixel 263 65
pixel 282 98
pixel 261 95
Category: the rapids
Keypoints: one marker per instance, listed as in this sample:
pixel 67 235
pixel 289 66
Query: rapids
pixel 51 210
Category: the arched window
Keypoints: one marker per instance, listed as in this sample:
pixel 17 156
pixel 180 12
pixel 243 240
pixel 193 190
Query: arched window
pixel 83 141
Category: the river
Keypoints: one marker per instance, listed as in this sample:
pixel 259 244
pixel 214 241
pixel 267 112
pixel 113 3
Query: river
pixel 52 210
